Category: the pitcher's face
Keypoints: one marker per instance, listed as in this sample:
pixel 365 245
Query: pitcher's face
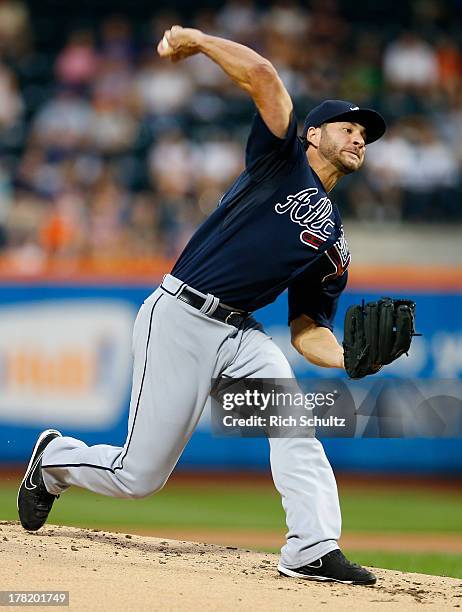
pixel 343 144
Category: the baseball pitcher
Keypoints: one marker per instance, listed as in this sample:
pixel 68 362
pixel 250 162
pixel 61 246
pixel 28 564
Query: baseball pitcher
pixel 275 228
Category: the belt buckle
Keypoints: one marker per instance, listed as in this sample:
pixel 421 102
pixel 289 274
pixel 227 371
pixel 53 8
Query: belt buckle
pixel 233 312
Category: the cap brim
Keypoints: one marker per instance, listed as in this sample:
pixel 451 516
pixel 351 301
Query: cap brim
pixel 373 122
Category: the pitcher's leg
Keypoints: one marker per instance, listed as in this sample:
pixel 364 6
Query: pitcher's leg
pixel 304 478
pixel 171 381
pixel 300 469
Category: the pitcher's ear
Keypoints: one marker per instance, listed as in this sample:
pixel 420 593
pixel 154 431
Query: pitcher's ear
pixel 313 136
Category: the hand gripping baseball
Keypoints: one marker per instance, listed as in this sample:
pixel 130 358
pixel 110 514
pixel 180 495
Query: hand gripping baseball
pixel 179 43
pixel 376 334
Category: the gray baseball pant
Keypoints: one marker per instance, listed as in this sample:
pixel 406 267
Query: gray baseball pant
pixel 177 351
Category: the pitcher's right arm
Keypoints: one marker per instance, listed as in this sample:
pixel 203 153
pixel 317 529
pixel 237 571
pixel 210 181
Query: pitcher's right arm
pixel 249 70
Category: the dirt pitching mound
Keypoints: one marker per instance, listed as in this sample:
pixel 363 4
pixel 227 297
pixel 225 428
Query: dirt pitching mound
pixel 115 571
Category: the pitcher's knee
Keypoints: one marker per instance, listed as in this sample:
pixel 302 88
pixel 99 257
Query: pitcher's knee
pixel 141 488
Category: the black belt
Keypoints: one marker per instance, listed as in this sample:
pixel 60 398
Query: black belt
pixel 222 313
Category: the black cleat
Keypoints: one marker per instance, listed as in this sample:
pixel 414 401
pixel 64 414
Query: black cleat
pixel 333 567
pixel 34 502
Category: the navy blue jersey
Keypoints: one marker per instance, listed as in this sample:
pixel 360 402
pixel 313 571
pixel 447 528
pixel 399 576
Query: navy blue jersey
pixel 274 228
pixel 311 296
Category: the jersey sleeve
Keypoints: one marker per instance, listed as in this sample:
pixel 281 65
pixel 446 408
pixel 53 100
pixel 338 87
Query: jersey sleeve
pixel 262 142
pixel 318 301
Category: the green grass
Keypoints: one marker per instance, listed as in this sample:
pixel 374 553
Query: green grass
pixel 419 563
pixel 232 506
pixel 422 563
pixel 408 511
pixel 183 507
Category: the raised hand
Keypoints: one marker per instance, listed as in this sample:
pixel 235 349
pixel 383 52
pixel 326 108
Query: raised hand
pixel 179 43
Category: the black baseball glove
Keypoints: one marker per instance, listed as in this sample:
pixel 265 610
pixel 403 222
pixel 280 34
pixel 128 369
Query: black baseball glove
pixel 377 333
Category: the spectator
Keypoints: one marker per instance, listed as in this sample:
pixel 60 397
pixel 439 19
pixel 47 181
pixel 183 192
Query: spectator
pixel 173 163
pixel 77 63
pixel 410 63
pixel 116 153
pixel 449 60
pixel 113 129
pixel 108 210
pixel 63 226
pixel 415 159
pixel 6 201
pixel 14 28
pixel 362 72
pixel 220 160
pixel 163 89
pixel 238 20
pixel 114 82
pixel 450 125
pixel 145 239
pixel 11 103
pixel 64 123
pixel 117 39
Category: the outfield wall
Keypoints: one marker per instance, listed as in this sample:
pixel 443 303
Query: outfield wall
pixel 65 361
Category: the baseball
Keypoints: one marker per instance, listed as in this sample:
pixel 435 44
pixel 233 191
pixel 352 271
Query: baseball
pixel 165 44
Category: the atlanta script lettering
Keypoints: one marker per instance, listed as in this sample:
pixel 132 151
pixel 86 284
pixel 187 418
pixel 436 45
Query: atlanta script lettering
pixel 313 215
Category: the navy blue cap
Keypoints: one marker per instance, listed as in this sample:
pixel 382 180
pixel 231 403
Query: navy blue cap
pixel 341 110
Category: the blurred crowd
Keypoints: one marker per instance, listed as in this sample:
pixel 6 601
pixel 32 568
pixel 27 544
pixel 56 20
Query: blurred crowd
pixel 107 152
